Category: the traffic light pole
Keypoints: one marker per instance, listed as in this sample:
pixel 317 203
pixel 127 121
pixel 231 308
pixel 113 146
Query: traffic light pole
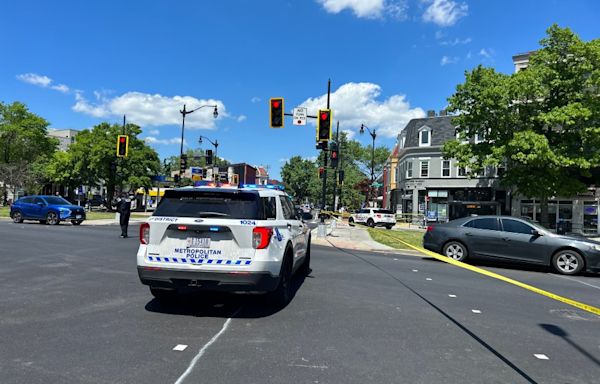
pixel 324 192
pixel 335 170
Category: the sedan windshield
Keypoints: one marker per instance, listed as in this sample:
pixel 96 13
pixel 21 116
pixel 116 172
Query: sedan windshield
pixel 55 200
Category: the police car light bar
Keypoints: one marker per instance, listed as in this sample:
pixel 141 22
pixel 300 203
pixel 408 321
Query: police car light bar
pixel 268 186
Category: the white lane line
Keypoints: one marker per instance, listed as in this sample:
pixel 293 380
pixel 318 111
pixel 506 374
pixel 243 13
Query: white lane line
pixel 204 348
pixel 180 347
pixel 429 279
pixel 575 280
pixel 415 270
pixel 395 259
pixel 475 311
pixel 541 356
pixel 451 295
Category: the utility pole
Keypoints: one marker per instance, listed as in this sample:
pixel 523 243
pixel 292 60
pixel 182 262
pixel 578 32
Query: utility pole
pixel 324 192
pixel 335 170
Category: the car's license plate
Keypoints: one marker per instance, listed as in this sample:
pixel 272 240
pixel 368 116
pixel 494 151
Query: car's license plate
pixel 78 216
pixel 198 242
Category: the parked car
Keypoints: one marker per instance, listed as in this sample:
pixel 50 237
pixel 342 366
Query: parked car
pixel 97 201
pixel 512 239
pixel 373 217
pixel 47 210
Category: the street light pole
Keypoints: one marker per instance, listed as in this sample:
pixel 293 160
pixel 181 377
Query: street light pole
pixel 183 114
pixel 214 144
pixel 373 135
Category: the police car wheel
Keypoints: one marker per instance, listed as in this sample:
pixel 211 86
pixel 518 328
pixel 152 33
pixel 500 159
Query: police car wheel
pixel 351 222
pixel 305 268
pixel 283 293
pixel 371 223
pixel 163 294
pixel 389 226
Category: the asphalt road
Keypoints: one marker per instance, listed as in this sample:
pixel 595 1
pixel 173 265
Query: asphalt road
pixel 73 311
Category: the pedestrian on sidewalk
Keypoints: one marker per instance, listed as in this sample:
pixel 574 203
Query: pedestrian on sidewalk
pixel 124 209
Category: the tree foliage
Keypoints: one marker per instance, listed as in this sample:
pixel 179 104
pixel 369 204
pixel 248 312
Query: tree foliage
pixel 91 159
pixel 542 122
pixel 301 176
pixel 25 147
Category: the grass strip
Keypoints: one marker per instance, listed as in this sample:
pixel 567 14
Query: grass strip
pixel 394 238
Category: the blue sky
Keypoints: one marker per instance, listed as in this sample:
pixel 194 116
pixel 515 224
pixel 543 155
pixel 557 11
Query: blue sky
pixel 78 63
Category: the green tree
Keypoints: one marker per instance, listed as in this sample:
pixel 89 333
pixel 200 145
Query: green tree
pixel 300 177
pixel 92 159
pixel 542 122
pixel 25 147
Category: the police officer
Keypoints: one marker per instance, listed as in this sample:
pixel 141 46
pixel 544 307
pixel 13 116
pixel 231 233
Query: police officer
pixel 124 209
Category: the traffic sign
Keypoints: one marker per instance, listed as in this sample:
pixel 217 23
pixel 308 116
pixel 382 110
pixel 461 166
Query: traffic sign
pixel 300 116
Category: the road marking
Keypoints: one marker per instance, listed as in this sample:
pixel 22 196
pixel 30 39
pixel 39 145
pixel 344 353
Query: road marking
pixel 460 264
pixel 308 366
pixel 203 349
pixel 180 347
pixel 429 279
pixel 541 356
pixel 415 270
pixel 475 311
pixel 395 259
pixel 575 280
pixel 451 295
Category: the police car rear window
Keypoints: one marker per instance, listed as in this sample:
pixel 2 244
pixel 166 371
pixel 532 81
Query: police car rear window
pixel 224 205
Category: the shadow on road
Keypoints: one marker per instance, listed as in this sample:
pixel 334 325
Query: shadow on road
pixel 558 331
pixel 219 304
pixel 479 262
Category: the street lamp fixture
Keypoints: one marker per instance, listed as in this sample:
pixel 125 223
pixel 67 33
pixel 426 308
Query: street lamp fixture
pixel 184 112
pixel 373 135
pixel 214 143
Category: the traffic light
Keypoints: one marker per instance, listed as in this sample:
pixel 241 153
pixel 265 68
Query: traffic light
pixel 182 164
pixel 235 179
pixel 324 125
pixel 276 112
pixel 321 172
pixel 341 177
pixel 334 154
pixel 122 145
pixel 321 145
pixel 208 155
pixel 176 178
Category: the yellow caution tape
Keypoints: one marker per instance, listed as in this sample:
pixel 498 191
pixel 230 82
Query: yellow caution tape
pixel 576 304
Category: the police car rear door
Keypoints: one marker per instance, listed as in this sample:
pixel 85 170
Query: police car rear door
pixel 294 226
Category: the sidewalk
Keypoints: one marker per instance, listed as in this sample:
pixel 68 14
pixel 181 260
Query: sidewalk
pixel 354 238
pixel 112 221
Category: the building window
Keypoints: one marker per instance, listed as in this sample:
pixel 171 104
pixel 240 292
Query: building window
pixel 402 141
pixel 409 169
pixel 478 138
pixel 500 170
pixel 425 138
pixel 425 168
pixel 461 172
pixel 445 168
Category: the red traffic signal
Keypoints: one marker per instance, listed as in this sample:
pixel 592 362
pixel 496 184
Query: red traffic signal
pixel 321 171
pixel 122 145
pixel 276 112
pixel 324 125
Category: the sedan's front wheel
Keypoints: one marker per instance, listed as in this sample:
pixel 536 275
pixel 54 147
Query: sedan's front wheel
pixel 456 250
pixel 17 217
pixel 567 262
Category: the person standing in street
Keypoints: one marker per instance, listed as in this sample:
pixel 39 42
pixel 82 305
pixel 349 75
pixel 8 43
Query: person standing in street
pixel 124 209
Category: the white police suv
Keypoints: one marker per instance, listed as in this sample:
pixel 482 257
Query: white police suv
pixel 373 217
pixel 223 239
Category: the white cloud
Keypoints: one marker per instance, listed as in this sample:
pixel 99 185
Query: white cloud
pixel 241 118
pixel 311 158
pixel 444 13
pixel 61 88
pixel 440 34
pixel 284 160
pixel 487 53
pixel 255 99
pixel 456 41
pixel 354 104
pixel 154 132
pixel 448 60
pixel 368 9
pixel 35 79
pixel 349 134
pixel 152 109
pixel 154 140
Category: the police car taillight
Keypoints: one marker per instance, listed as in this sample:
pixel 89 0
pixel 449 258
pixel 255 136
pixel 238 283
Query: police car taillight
pixel 261 237
pixel 145 233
